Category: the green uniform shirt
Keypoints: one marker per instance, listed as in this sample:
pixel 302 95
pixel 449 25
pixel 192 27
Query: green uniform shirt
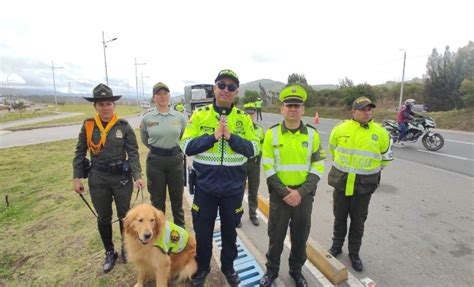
pixel 121 144
pixel 162 130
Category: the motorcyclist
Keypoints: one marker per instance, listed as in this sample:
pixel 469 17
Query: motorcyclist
pixel 404 116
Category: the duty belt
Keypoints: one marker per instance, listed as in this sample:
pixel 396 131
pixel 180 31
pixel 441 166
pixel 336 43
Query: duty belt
pixel 164 151
pixel 108 168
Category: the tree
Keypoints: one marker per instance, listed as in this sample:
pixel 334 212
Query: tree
pixel 346 83
pixel 352 93
pixel 250 96
pixel 467 91
pixel 297 79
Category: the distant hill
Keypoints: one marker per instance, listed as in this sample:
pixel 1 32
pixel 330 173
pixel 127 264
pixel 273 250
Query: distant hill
pixel 268 84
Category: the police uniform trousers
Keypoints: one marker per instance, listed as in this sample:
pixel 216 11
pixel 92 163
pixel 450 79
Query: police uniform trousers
pixel 253 179
pixel 259 114
pixel 299 220
pixel 104 188
pixel 357 207
pixel 166 171
pixel 204 212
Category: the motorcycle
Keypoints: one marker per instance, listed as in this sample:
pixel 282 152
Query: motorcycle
pixel 417 127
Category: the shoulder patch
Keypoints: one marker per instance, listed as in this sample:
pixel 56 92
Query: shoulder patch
pixel 207 108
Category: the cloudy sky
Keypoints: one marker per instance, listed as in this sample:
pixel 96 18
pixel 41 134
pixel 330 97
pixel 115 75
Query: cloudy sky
pixel 185 42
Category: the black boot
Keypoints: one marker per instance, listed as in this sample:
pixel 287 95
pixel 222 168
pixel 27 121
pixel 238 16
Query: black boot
pixel 334 251
pixel 299 279
pixel 199 277
pixel 232 277
pixel 267 279
pixel 254 221
pixel 109 262
pixel 356 262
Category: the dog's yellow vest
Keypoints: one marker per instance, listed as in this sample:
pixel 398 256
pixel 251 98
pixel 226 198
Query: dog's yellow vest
pixel 173 240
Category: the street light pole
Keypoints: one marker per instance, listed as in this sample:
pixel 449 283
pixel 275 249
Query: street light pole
pixel 54 82
pixel 403 78
pixel 143 84
pixel 136 80
pixel 105 56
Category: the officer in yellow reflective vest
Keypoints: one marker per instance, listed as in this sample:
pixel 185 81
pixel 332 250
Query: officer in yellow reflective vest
pixel 360 149
pixel 253 166
pixel 221 139
pixel 293 161
pixel 258 105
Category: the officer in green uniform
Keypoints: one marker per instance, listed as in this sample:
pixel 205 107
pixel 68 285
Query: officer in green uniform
pixel 253 166
pixel 360 149
pixel 160 130
pixel 221 139
pixel 293 161
pixel 258 105
pixel 115 161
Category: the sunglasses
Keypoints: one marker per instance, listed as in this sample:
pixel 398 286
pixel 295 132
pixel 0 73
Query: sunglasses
pixel 296 106
pixel 230 87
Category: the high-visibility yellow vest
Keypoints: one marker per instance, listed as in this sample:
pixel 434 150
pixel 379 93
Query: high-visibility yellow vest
pixel 173 239
pixel 359 149
pixel 292 156
pixel 260 133
pixel 258 104
pixel 205 120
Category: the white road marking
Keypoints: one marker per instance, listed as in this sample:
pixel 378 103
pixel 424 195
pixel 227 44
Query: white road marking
pixel 459 142
pixel 448 155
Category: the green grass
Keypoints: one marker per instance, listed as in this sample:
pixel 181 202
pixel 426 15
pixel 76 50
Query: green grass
pixel 6 117
pixel 48 237
pixel 87 109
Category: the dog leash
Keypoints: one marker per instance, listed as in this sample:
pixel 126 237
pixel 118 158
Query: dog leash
pixel 95 214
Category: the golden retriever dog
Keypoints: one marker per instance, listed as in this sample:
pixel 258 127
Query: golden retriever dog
pixel 144 224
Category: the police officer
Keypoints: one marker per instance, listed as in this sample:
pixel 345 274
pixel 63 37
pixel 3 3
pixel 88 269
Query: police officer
pixel 221 138
pixel 360 149
pixel 253 166
pixel 115 161
pixel 160 130
pixel 258 105
pixel 293 161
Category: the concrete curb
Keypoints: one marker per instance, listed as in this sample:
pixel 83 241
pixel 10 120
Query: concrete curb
pixel 334 270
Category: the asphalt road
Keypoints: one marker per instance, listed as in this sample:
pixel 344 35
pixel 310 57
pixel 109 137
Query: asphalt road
pixel 420 228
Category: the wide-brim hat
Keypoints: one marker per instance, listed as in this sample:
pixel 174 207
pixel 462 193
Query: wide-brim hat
pixel 361 103
pixel 102 93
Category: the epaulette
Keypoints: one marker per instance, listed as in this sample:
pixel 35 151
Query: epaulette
pixel 123 120
pixel 275 125
pixel 314 128
pixel 239 112
pixel 341 122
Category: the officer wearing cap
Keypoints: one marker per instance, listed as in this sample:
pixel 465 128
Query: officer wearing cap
pixel 360 149
pixel 253 166
pixel 115 162
pixel 258 105
pixel 160 130
pixel 221 139
pixel 293 161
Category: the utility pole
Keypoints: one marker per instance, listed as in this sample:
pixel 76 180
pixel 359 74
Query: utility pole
pixel 104 44
pixel 54 82
pixel 403 78
pixel 136 80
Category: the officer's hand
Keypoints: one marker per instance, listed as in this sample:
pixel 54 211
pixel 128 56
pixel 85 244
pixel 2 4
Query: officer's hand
pixel 226 133
pixel 140 184
pixel 78 187
pixel 220 130
pixel 292 199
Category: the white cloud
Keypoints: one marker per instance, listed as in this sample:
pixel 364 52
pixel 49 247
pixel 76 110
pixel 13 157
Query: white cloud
pixel 185 42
